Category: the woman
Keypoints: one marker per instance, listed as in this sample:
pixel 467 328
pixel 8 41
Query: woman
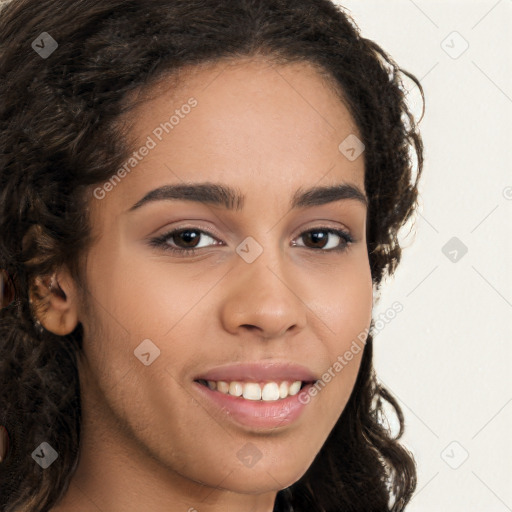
pixel 199 201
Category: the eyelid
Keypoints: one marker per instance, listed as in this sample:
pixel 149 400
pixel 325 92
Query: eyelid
pixel 161 241
pixel 323 224
pixel 193 227
pixel 304 228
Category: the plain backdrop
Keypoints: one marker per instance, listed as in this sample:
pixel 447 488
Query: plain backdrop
pixel 447 356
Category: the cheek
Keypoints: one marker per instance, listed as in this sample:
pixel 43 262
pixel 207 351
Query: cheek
pixel 134 307
pixel 347 311
pixel 344 301
pixel 117 318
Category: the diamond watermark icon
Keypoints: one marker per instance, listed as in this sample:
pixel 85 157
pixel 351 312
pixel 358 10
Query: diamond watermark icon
pixel 454 45
pixel 351 147
pixel 44 455
pixel 44 44
pixel 454 249
pixel 454 455
pixel 147 352
pixel 249 249
pixel 249 455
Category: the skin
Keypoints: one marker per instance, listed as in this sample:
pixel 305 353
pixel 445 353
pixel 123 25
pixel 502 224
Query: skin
pixel 148 442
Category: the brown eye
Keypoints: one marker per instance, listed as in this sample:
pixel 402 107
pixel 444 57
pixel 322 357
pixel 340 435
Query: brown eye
pixel 321 238
pixel 317 239
pixel 183 242
pixel 189 237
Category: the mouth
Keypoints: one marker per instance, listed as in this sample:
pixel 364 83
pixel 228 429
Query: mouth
pixel 258 406
pixel 256 395
pixel 264 391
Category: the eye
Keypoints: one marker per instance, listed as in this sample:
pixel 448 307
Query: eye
pixel 186 241
pixel 325 239
pixel 189 237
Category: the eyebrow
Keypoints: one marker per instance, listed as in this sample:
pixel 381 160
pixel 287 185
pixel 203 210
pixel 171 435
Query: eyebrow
pixel 223 195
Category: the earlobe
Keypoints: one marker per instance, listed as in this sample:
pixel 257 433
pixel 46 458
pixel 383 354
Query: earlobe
pixel 54 302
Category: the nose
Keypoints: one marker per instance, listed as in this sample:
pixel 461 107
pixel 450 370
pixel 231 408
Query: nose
pixel 263 299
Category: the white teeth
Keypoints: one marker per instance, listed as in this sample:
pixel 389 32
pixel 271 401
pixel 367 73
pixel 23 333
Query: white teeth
pixel 222 386
pixel 236 389
pixel 294 388
pixel 268 392
pixel 252 391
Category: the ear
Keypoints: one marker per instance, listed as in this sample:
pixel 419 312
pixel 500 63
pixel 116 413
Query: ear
pixel 55 302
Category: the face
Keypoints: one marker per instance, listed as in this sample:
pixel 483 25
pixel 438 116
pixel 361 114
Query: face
pixel 273 291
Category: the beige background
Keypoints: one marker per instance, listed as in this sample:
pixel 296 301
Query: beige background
pixel 447 356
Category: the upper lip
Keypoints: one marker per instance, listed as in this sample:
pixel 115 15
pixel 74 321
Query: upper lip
pixel 250 372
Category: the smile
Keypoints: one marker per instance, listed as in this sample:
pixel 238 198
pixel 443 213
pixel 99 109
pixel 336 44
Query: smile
pixel 264 391
pixel 252 411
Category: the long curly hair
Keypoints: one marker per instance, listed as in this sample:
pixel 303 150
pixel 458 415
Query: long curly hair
pixel 60 135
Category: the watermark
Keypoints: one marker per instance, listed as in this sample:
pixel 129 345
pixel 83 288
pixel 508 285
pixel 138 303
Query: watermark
pixel 249 455
pixel 385 317
pixel 174 120
pixel 454 45
pixel 351 147
pixel 249 249
pixel 44 45
pixel 146 352
pixel 356 346
pixel 454 249
pixel 45 455
pixel 454 455
pixel 151 142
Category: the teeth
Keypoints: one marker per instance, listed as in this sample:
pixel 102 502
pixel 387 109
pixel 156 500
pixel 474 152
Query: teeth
pixel 252 391
pixel 222 386
pixel 236 389
pixel 268 392
pixel 294 388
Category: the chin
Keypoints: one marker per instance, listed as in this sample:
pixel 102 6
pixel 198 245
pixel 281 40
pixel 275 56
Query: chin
pixel 262 479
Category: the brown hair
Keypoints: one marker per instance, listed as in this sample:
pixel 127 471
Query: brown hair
pixel 59 137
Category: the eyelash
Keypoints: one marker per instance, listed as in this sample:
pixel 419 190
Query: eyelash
pixel 161 241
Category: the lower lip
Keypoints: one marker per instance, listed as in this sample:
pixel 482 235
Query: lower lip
pixel 256 413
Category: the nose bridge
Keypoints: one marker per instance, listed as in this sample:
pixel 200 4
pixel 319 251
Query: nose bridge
pixel 262 291
pixel 264 263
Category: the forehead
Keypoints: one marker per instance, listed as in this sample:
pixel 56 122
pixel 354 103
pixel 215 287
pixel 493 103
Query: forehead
pixel 242 92
pixel 257 125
